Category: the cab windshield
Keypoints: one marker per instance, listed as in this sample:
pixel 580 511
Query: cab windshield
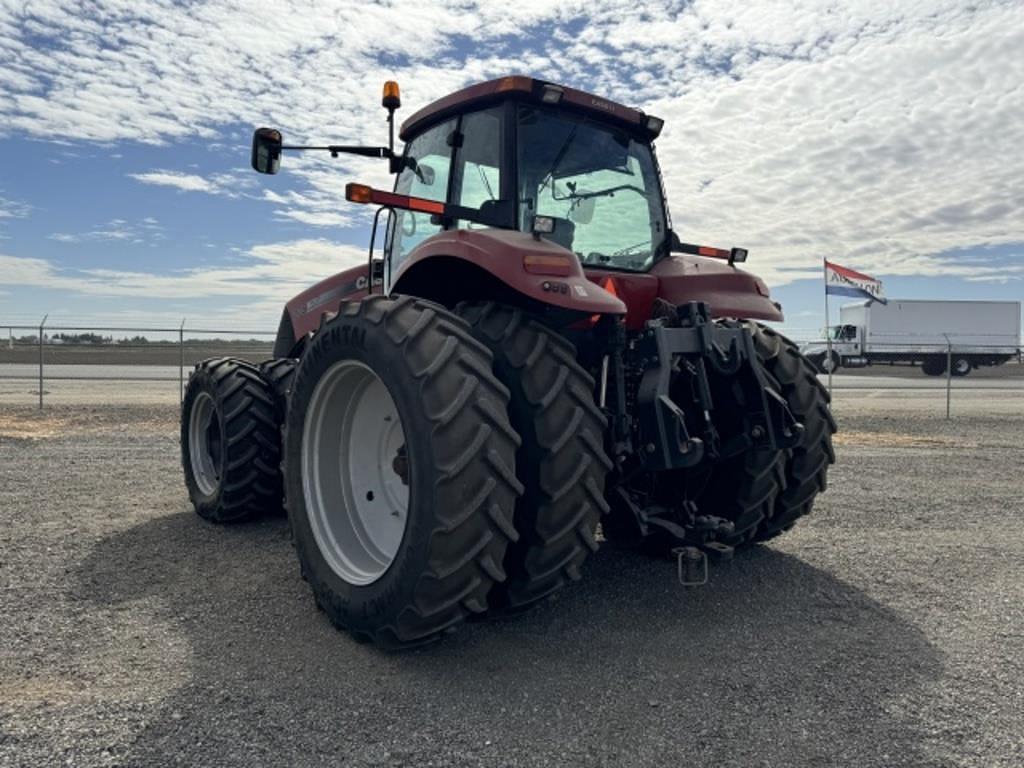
pixel 599 185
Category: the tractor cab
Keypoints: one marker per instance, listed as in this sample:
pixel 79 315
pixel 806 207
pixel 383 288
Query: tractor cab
pixel 532 193
pixel 523 155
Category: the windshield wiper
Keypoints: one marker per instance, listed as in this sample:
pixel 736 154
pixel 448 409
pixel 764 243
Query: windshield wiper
pixel 558 159
pixel 603 192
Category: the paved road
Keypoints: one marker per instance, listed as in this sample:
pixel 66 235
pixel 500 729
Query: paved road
pixel 170 373
pixel 103 372
pixel 922 382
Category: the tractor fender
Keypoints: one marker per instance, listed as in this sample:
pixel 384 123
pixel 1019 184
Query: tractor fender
pixel 448 267
pixel 302 314
pixel 728 291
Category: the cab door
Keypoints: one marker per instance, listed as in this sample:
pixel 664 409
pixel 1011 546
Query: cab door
pixel 426 173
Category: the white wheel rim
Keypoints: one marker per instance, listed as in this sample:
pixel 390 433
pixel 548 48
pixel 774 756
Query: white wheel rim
pixel 828 363
pixel 962 366
pixel 352 473
pixel 204 444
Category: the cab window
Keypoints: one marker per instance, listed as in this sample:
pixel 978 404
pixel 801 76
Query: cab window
pixel 477 174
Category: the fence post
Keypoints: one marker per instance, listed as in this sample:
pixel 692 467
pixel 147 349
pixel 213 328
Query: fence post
pixel 181 364
pixel 42 324
pixel 949 371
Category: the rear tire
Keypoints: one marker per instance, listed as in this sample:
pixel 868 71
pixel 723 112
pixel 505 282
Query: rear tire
pixel 279 373
pixel 455 461
pixel 230 446
pixel 744 488
pixel 561 462
pixel 933 366
pixel 806 464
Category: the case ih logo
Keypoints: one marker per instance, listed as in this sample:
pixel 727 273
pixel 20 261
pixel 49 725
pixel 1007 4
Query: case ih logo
pixel 361 282
pixel 606 106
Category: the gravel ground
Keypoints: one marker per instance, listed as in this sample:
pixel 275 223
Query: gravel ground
pixel 886 630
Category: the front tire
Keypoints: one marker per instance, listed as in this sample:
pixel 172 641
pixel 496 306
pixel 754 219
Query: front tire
pixel 561 462
pixel 399 470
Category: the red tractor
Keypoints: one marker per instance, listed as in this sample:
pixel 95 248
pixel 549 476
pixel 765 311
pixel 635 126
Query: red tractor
pixel 535 357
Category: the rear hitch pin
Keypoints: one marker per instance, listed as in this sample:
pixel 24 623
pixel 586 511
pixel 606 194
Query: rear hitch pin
pixel 691 566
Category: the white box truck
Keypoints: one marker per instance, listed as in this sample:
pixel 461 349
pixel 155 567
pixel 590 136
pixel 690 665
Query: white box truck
pixel 921 332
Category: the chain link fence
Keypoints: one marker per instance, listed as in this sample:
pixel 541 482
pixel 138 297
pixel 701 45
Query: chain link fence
pixel 50 354
pixel 127 362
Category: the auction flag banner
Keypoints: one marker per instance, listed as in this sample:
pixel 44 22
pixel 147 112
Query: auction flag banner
pixel 847 282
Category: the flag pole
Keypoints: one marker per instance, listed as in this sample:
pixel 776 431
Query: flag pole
pixel 828 335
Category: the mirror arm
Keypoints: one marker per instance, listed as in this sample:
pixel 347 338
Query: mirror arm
pixel 336 149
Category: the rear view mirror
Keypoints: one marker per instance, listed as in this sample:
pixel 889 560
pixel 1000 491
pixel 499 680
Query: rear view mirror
pixel 425 173
pixel 266 150
pixel 582 209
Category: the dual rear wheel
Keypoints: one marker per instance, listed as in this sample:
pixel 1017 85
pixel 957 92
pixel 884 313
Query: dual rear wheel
pixel 230 439
pixel 764 492
pixel 438 465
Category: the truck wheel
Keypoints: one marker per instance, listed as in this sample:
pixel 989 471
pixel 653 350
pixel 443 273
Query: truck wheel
pixel 933 366
pixel 961 366
pixel 806 465
pixel 230 446
pixel 829 362
pixel 399 470
pixel 561 462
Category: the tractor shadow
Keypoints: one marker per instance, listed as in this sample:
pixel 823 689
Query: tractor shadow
pixel 775 662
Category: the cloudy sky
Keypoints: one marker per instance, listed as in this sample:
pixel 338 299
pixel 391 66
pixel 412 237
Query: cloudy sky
pixel 888 136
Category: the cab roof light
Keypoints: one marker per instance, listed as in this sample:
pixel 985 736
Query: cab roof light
pixel 551 94
pixel 514 83
pixel 654 125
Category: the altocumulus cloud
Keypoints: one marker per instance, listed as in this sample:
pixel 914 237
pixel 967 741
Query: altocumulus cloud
pixel 276 271
pixel 885 132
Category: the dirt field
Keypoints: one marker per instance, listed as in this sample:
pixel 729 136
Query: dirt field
pixel 888 629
